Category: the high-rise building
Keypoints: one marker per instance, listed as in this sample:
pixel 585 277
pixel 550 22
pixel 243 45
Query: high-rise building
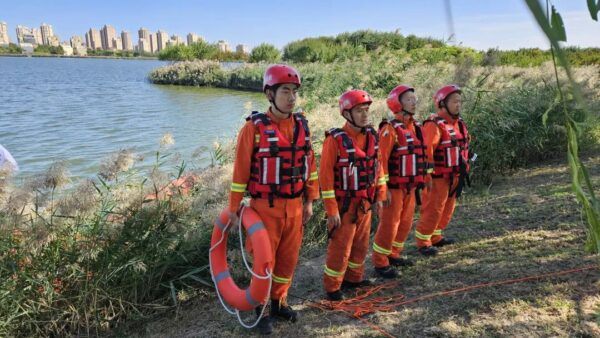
pixel 76 41
pixel 37 35
pixel 242 49
pixel 223 46
pixel 126 40
pixel 26 35
pixel 177 40
pixel 193 38
pixel 143 33
pixel 107 34
pixel 161 40
pixel 153 43
pixel 29 38
pixel 4 38
pixel 117 44
pixel 93 40
pixel 21 31
pixel 47 33
pixel 53 40
pixel 144 46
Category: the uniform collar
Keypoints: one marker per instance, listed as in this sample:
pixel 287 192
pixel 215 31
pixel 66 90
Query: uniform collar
pixel 446 116
pixel 351 131
pixel 408 120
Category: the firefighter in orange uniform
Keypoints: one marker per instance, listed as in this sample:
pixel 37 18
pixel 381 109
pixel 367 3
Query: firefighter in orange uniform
pixel 447 141
pixel 275 163
pixel 352 182
pixel 403 161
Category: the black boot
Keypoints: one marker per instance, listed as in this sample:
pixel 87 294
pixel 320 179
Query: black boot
pixel 428 251
pixel 387 272
pixel 335 296
pixel 264 325
pixel 353 285
pixel 445 241
pixel 401 261
pixel 283 311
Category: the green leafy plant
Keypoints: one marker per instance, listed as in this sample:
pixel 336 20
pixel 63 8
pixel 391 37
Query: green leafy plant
pixel 552 25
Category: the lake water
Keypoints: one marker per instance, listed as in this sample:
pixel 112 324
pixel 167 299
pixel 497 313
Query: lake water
pixel 82 110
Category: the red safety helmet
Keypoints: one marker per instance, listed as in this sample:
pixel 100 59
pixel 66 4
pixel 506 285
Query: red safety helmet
pixel 393 99
pixel 444 92
pixel 280 74
pixel 352 98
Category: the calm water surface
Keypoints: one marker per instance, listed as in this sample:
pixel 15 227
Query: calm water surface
pixel 82 110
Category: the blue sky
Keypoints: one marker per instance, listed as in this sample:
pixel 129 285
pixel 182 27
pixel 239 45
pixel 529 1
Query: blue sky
pixel 480 24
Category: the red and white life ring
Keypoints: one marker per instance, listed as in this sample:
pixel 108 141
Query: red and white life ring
pixel 258 291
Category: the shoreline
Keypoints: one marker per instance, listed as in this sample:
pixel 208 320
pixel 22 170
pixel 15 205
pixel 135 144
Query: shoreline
pixel 81 57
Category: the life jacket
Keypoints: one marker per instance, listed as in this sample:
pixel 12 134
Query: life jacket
pixel 407 165
pixel 355 169
pixel 279 168
pixel 452 152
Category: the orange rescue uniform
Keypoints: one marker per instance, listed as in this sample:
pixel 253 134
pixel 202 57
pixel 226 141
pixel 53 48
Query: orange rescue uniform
pixel 396 219
pixel 349 243
pixel 438 207
pixel 283 220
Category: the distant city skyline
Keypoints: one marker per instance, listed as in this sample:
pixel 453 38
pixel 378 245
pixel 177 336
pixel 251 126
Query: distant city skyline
pixel 106 38
pixel 477 24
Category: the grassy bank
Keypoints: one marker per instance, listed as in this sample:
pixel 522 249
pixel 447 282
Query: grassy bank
pixel 79 258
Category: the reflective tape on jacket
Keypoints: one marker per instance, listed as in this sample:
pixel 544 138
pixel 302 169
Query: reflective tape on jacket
pixel 238 187
pixel 328 194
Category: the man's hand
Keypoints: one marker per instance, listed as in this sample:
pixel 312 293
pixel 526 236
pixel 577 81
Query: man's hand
pixel 388 201
pixel 307 212
pixel 234 219
pixel 376 207
pixel 333 221
pixel 428 185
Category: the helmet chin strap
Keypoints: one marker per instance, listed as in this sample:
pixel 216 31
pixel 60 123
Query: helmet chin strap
pixel 453 116
pixel 272 101
pixel 406 112
pixel 351 121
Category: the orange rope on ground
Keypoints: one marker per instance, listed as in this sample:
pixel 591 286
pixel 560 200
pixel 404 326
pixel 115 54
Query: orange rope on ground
pixel 363 304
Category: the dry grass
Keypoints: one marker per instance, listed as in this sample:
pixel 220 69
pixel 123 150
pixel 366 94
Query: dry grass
pixel 523 225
